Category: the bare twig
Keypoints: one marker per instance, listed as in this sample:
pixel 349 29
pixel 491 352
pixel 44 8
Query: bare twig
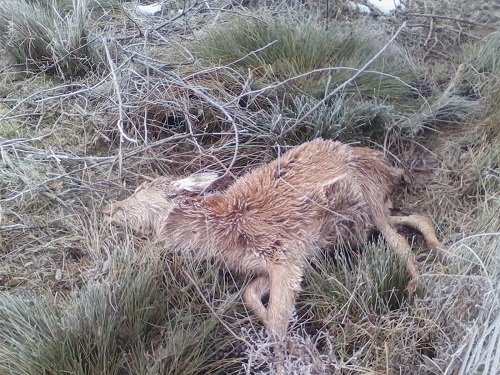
pixel 462 32
pixel 431 29
pixel 119 123
pixel 10 142
pixel 226 114
pixel 118 95
pixel 24 100
pixel 181 14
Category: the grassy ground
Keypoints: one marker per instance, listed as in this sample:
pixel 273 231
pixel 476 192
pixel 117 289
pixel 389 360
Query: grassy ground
pixel 100 96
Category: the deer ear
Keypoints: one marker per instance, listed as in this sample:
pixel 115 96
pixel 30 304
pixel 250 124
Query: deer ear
pixel 197 182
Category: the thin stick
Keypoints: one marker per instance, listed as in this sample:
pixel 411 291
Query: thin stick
pixel 431 29
pixel 182 14
pixel 119 123
pixel 118 95
pixel 228 116
pixel 346 83
pixel 20 102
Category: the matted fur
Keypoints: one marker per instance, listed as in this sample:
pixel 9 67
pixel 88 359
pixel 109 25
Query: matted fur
pixel 316 195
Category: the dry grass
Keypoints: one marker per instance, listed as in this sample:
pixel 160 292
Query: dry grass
pixel 81 298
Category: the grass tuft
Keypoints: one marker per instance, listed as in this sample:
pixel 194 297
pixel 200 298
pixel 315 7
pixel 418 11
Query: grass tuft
pixel 44 36
pixel 137 319
pixel 298 46
pixel 483 61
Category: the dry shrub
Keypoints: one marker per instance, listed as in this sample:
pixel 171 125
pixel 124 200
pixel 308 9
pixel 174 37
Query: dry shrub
pixel 193 119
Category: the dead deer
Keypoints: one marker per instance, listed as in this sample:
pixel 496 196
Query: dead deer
pixel 269 221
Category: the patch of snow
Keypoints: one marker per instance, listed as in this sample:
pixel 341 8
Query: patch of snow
pixel 149 10
pixel 360 8
pixel 384 6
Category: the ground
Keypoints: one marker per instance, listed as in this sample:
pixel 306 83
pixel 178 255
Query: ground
pixel 170 94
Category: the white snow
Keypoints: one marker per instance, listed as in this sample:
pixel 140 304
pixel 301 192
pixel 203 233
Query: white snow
pixel 149 10
pixel 384 6
pixel 380 6
pixel 359 7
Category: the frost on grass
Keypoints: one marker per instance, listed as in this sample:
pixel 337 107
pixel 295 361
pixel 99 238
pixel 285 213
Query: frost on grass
pixel 301 358
pixel 49 203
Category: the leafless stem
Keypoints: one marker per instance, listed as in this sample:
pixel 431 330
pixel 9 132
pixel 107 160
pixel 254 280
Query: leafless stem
pixel 182 14
pixel 226 114
pixel 450 18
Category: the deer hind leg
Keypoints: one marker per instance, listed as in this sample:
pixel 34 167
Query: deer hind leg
pixel 284 283
pixel 401 246
pixel 424 225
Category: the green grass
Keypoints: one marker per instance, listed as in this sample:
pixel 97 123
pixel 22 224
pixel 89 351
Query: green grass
pixel 483 61
pixel 298 46
pixel 44 36
pixel 137 319
pixel 344 117
pixel 290 48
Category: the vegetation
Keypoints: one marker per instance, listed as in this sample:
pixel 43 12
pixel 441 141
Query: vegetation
pixel 55 37
pixel 314 61
pixel 484 64
pixel 289 46
pixel 135 319
pixel 206 86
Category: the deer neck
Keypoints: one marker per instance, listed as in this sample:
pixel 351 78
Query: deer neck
pixel 192 226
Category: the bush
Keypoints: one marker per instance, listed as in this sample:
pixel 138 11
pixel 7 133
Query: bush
pixel 313 61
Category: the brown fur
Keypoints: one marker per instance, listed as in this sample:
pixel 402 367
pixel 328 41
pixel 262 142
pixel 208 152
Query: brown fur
pixel 319 194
